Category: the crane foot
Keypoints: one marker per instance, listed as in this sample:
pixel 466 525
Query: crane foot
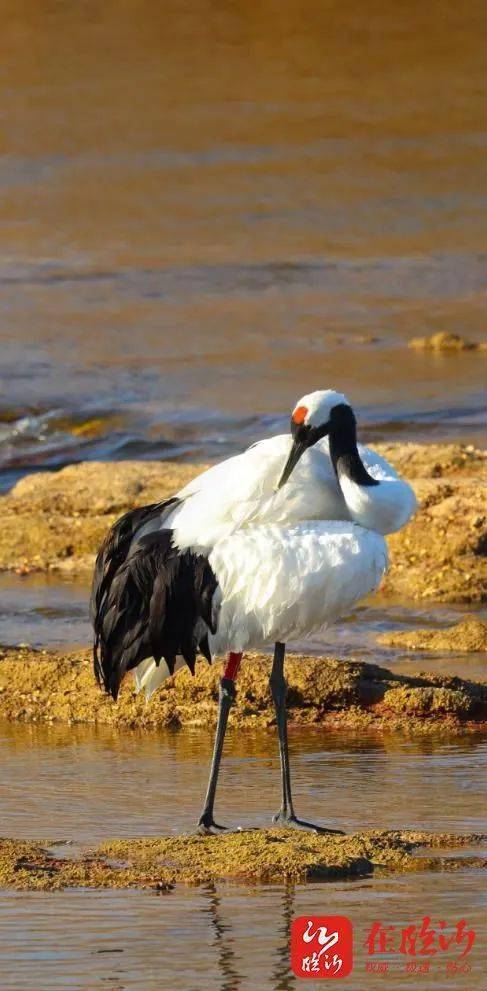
pixel 208 827
pixel 292 822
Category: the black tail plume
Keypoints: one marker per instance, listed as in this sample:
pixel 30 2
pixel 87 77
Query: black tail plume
pixel 149 599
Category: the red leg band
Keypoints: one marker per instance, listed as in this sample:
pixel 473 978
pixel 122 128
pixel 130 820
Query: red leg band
pixel 232 666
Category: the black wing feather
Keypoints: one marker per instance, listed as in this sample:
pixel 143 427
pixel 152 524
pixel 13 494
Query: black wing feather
pixel 148 598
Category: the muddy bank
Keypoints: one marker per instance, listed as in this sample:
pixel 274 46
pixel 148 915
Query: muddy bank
pixel 253 855
pixel 56 520
pixel 42 687
pixel 467 637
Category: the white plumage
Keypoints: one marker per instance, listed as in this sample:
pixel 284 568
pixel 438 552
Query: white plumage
pixel 279 583
pixel 286 568
pixel 284 583
pixel 242 492
pixel 289 561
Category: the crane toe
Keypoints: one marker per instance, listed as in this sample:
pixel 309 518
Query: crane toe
pixel 208 827
pixel 292 822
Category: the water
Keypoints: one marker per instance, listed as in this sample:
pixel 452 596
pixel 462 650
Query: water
pixel 96 783
pixel 91 783
pixel 226 938
pixel 43 611
pixel 205 212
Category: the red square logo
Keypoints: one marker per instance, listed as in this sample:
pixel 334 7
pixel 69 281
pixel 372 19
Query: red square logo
pixel 321 946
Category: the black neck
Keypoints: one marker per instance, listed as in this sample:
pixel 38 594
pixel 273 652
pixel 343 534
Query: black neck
pixel 343 447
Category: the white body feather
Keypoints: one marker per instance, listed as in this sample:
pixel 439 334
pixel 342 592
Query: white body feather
pixel 284 583
pixel 288 561
pixel 242 492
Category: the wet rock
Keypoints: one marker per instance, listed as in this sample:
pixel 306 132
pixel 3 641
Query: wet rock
pixel 253 855
pixel 429 701
pixel 469 636
pixel 443 341
pixel 323 692
pixel 57 520
pixel 419 462
pixel 441 554
pixel 98 488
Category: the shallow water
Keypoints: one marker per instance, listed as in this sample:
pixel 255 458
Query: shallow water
pixel 44 611
pixel 225 937
pixel 93 784
pixel 207 211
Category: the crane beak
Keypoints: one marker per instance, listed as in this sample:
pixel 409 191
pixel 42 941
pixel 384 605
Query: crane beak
pixel 304 436
pixel 297 451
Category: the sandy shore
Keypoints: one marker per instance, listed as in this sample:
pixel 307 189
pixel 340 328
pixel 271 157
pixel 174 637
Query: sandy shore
pixel 260 855
pixel 56 520
pixel 323 692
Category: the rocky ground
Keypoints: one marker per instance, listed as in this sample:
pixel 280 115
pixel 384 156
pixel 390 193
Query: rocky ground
pixel 323 692
pixel 467 637
pixel 56 520
pixel 249 855
pixel 443 341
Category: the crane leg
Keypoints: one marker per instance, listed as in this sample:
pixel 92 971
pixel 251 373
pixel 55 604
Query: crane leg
pixel 227 695
pixel 286 815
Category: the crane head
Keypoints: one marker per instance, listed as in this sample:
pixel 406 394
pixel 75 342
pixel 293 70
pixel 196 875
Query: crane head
pixel 310 421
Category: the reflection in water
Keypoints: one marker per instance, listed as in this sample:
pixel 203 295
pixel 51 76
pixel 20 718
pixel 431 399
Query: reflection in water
pixel 281 975
pixel 223 941
pixel 224 936
pixel 226 957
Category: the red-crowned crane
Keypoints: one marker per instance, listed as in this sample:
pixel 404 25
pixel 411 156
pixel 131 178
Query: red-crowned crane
pixel 269 546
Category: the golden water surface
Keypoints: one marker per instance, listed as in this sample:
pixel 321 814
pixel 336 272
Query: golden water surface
pixel 209 208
